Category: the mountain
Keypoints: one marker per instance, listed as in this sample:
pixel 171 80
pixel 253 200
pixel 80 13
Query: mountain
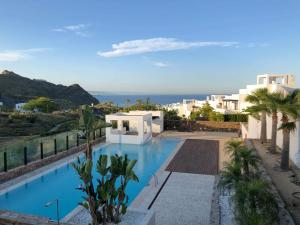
pixel 15 88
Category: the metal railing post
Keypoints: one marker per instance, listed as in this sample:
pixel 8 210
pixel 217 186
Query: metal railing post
pixel 42 150
pixel 67 142
pixel 25 156
pixel 55 146
pixel 77 140
pixel 5 161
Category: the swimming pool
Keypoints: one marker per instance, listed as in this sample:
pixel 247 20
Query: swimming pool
pixel 61 183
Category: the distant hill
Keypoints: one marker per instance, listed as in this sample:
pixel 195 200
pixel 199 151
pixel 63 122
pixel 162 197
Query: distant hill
pixel 15 88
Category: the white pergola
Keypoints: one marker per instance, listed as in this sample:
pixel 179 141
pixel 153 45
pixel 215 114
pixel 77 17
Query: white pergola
pixel 129 128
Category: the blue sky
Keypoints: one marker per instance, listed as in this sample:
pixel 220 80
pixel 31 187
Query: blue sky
pixel 152 46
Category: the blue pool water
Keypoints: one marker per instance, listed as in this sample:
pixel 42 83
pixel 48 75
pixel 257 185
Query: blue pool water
pixel 62 183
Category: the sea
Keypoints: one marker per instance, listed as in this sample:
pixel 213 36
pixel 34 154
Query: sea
pixel 121 100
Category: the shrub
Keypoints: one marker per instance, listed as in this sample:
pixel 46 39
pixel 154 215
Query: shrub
pixel 253 201
pixel 236 117
pixel 42 104
pixel 216 116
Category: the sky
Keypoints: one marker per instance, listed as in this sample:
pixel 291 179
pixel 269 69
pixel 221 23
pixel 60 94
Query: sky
pixel 153 47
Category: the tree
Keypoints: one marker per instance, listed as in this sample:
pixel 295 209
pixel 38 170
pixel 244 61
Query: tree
pixel 88 124
pixel 139 102
pixel 42 104
pixel 273 100
pixel 259 109
pixel 290 109
pixel 206 110
pixel 127 103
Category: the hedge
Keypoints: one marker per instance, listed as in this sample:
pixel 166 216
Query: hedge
pixel 236 117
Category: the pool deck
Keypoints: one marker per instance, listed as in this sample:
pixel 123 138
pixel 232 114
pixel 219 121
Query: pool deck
pixel 185 189
pixel 185 200
pixel 196 156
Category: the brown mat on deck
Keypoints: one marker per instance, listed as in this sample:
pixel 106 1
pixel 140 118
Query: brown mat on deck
pixel 196 156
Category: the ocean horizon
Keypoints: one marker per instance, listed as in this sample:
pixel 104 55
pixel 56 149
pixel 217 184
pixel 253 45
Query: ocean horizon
pixel 121 100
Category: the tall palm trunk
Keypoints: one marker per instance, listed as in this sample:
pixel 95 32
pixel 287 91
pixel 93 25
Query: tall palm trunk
pixel 263 131
pixel 285 158
pixel 274 132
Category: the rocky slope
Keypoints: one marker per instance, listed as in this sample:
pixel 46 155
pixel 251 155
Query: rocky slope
pixel 15 88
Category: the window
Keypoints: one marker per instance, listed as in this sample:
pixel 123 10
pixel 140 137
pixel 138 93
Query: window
pixel 126 124
pixel 114 124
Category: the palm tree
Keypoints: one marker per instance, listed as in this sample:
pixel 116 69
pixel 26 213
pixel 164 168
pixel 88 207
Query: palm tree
pixel 248 159
pixel 259 108
pixel 127 103
pixel 88 124
pixel 290 109
pixel 233 148
pixel 273 101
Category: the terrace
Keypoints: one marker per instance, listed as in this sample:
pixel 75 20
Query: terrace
pixel 175 167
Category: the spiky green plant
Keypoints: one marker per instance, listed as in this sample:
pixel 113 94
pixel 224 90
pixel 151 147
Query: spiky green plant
pixel 108 200
pixel 253 201
pixel 233 148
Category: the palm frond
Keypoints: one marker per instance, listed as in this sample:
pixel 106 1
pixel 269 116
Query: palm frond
pixel 290 126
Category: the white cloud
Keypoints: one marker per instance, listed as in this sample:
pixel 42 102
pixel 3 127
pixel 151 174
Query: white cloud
pixel 135 47
pixel 161 64
pixel 17 55
pixel 254 45
pixel 78 29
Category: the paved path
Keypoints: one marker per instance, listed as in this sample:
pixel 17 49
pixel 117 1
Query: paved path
pixel 196 156
pixel 185 200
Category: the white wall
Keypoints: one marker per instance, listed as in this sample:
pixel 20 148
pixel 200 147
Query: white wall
pixel 157 124
pixel 136 123
pixel 253 128
pixel 253 132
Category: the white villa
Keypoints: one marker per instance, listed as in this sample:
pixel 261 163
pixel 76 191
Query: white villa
pixel 275 83
pixel 134 127
pixel 235 103
pixel 221 103
pixel 19 107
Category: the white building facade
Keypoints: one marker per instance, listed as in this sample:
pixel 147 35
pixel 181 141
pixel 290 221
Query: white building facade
pixel 134 127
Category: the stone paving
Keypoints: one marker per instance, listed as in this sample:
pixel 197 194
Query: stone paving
pixel 132 217
pixel 185 200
